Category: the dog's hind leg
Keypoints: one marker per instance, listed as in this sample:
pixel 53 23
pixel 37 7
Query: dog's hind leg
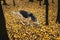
pixel 22 23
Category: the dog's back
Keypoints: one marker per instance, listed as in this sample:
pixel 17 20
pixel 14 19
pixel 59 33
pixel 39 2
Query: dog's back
pixel 24 13
pixel 27 14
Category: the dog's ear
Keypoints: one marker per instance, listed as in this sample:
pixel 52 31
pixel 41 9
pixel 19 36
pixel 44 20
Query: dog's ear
pixel 30 14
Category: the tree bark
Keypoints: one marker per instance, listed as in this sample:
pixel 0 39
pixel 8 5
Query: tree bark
pixel 58 15
pixel 3 31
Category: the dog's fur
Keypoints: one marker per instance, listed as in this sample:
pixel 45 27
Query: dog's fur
pixel 27 15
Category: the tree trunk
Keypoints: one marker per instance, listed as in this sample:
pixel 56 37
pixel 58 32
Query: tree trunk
pixel 31 0
pixel 58 15
pixel 46 3
pixel 3 31
pixel 4 2
pixel 14 2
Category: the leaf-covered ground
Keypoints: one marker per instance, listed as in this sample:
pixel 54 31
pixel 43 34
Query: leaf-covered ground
pixel 17 31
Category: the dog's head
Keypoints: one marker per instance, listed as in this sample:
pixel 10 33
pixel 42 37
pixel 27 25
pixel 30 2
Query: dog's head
pixel 33 18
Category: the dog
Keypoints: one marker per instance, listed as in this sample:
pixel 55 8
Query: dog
pixel 27 15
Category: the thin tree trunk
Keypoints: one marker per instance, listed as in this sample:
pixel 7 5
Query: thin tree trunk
pixel 58 15
pixel 46 3
pixel 4 2
pixel 31 0
pixel 52 1
pixel 40 2
pixel 14 2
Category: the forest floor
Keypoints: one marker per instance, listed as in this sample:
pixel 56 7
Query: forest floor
pixel 17 31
